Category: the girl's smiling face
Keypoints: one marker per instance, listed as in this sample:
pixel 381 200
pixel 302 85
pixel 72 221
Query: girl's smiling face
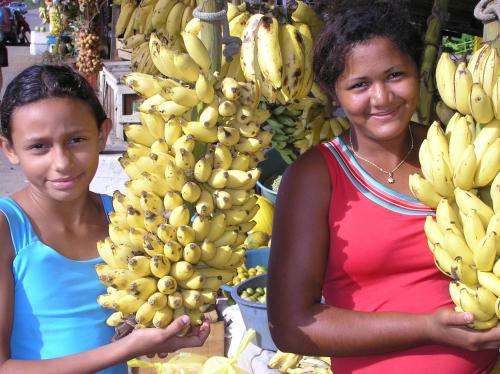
pixel 56 141
pixel 378 89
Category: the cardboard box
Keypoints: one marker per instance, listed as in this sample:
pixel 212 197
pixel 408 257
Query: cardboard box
pixel 214 346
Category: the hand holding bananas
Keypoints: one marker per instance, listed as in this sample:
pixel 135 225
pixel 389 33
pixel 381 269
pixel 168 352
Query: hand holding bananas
pixel 354 239
pixel 461 180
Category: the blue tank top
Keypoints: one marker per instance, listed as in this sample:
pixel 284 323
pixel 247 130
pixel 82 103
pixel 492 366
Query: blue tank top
pixel 55 310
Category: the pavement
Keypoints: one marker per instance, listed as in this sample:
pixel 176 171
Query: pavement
pixel 11 177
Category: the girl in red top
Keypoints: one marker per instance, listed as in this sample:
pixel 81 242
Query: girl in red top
pixel 347 228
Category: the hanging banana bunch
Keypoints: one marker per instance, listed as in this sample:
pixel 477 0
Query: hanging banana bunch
pixel 461 180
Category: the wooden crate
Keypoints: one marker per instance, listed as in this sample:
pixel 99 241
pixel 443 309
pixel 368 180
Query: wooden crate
pixel 122 53
pixel 119 101
pixel 214 346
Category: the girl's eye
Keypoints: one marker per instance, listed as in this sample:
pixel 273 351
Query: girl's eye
pixel 357 85
pixel 395 75
pixel 76 140
pixel 36 146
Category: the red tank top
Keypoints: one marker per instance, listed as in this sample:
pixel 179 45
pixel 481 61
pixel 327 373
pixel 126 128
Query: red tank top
pixel 379 261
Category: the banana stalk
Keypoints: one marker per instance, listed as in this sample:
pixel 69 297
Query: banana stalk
pixel 211 34
pixel 427 69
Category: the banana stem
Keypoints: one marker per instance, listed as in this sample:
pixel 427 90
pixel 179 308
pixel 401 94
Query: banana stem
pixel 491 33
pixel 211 33
pixel 428 65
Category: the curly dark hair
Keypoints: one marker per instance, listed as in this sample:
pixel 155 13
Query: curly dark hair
pixel 40 82
pixel 353 22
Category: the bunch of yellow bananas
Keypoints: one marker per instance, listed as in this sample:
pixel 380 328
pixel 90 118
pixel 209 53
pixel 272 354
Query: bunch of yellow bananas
pixel 471 88
pixel 135 24
pixel 277 57
pixel 178 232
pixel 461 180
pixel 56 25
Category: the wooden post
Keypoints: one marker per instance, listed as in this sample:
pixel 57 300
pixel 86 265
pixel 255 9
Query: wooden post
pixel 211 33
pixel 432 39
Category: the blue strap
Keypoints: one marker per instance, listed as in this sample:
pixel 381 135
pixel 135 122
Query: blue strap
pixel 21 231
pixel 107 203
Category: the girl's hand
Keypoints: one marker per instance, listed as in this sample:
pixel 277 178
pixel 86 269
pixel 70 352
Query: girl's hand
pixel 448 327
pixel 153 341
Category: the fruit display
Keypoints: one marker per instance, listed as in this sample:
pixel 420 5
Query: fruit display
pixel 88 60
pixel 56 22
pixel 242 273
pixel 275 58
pixel 461 180
pixel 256 295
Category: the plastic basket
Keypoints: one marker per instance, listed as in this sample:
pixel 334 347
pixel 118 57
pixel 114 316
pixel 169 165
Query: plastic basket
pixel 254 257
pixel 273 165
pixel 255 314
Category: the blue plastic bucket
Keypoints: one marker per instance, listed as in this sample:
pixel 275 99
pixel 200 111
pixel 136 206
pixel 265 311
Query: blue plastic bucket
pixel 273 165
pixel 255 314
pixel 258 256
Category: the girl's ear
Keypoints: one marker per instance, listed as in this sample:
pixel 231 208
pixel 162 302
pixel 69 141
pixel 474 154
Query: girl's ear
pixel 106 127
pixel 9 151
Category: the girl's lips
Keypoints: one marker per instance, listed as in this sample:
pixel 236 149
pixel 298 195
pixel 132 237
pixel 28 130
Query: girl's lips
pixel 385 115
pixel 64 183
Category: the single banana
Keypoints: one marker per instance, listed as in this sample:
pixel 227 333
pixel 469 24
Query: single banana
pixel 197 51
pixel 484 256
pixel 490 281
pixel 473 230
pixel 445 78
pixel 491 71
pixel 480 104
pixel 467 202
pixel 465 168
pixel 463 87
pixel 292 51
pixel 489 165
pixel 172 250
pixel 424 191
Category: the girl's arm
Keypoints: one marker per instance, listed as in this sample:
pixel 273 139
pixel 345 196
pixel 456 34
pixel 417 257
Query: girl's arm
pixel 299 323
pixel 140 342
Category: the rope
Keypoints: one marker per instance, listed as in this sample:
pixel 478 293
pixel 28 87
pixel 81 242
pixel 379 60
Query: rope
pixel 487 10
pixel 232 43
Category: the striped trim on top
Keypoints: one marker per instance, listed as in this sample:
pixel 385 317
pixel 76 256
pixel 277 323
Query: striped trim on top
pixel 371 188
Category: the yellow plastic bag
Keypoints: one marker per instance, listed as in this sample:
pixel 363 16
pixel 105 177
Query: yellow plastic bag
pixel 181 363
pixel 228 365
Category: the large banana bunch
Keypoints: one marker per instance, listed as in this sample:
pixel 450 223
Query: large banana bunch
pixel 56 26
pixel 461 180
pixel 177 233
pixel 165 18
pixel 471 88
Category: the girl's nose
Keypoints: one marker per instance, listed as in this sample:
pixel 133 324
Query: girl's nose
pixel 62 159
pixel 380 95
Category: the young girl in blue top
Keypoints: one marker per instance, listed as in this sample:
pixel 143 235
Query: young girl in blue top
pixel 54 127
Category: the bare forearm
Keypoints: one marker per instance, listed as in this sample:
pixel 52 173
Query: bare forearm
pixel 82 363
pixel 327 331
